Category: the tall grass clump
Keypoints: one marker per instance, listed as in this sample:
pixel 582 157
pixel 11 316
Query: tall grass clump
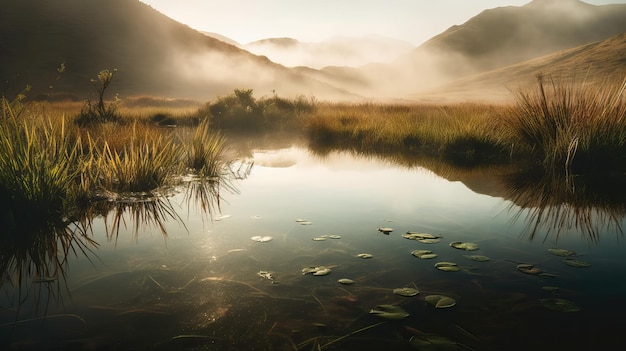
pixel 570 127
pixel 204 151
pixel 39 164
pixel 142 165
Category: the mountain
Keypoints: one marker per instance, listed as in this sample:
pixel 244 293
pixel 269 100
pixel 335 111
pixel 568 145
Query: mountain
pixel 223 38
pixel 506 35
pixel 337 51
pixel 152 53
pixel 597 62
pixel 493 39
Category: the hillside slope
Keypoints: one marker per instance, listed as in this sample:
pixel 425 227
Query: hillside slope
pixel 597 62
pixel 493 39
pixel 152 53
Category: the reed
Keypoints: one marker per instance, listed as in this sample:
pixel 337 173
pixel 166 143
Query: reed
pixel 204 151
pixel 142 165
pixel 39 163
pixel 570 126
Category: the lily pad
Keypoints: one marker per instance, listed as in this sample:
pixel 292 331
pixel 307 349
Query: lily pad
pixel 562 252
pixel 429 241
pixel 364 255
pixel 261 239
pixel 528 269
pixel 345 281
pixel 385 230
pixel 550 289
pixel 440 301
pixel 478 258
pixel 389 312
pixel 316 270
pixel 576 263
pixel 560 305
pixel 447 266
pixel 432 342
pixel 408 292
pixel 266 275
pixel 423 254
pixel 464 246
pixel 416 236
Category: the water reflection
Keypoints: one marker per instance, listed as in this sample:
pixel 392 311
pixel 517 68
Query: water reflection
pixel 554 205
pixel 550 205
pixel 34 263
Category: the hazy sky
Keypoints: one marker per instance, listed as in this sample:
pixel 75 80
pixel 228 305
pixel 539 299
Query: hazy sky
pixel 314 20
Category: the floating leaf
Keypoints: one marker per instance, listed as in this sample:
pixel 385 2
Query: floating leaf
pixel 323 271
pixel 576 263
pixel 408 292
pixel 266 275
pixel 423 254
pixel 478 258
pixel 562 252
pixel 447 266
pixel 385 230
pixel 560 305
pixel 334 237
pixel 464 246
pixel 261 239
pixel 429 241
pixel 434 342
pixel 440 301
pixel 364 255
pixel 345 281
pixel 528 269
pixel 550 289
pixel 320 238
pixel 416 236
pixel 316 270
pixel 389 312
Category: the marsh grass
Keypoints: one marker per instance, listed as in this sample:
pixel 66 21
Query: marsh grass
pixel 570 126
pixel 141 165
pixel 205 150
pixel 39 162
pixel 463 132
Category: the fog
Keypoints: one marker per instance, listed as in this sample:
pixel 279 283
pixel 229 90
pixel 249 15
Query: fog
pixel 337 51
pixel 372 68
pixel 378 68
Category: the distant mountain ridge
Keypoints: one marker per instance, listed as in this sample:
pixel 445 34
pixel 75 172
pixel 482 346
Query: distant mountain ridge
pixel 493 39
pixel 506 35
pixel 152 53
pixel 336 51
pixel 157 55
pixel 597 62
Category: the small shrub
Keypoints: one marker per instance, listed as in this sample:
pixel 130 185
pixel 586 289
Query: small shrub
pixel 100 111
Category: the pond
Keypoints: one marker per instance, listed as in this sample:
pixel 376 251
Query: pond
pixel 264 271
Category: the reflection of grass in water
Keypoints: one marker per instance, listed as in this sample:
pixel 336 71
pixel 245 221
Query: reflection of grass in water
pixel 558 204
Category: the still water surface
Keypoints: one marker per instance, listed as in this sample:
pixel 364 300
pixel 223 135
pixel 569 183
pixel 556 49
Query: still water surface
pixel 199 287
